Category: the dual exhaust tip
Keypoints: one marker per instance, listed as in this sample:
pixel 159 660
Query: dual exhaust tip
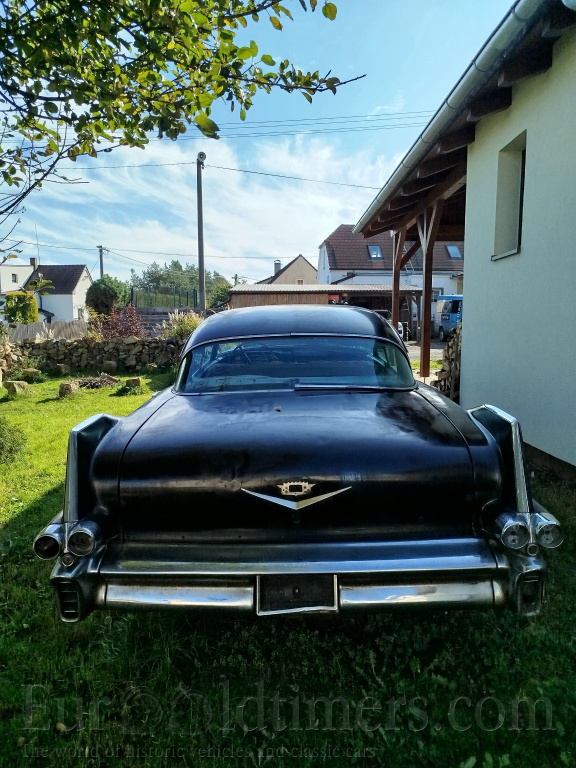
pixel 83 539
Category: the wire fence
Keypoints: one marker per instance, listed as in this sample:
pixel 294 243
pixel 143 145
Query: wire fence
pixel 164 297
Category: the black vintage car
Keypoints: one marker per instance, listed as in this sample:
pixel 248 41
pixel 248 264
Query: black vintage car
pixel 297 466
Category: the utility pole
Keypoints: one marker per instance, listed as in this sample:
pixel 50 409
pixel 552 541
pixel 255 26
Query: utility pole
pixel 201 274
pixel 101 250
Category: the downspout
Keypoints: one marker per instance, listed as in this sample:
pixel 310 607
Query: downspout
pixel 523 14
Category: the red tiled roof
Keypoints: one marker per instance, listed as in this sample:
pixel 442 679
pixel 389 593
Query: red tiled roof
pixel 347 251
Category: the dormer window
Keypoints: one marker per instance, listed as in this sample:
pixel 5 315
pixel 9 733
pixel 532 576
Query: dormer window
pixel 14 278
pixel 453 252
pixel 375 251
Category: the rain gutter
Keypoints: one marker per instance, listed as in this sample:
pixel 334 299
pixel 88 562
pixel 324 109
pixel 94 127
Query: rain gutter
pixel 523 15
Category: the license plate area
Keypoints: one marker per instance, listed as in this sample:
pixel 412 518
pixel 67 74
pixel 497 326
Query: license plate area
pixel 296 593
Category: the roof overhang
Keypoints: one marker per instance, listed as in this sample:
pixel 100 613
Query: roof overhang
pixel 434 168
pixel 331 288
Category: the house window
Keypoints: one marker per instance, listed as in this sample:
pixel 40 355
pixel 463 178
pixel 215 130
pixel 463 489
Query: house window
pixel 436 292
pixel 453 252
pixel 300 281
pixel 510 197
pixel 14 278
pixel 375 251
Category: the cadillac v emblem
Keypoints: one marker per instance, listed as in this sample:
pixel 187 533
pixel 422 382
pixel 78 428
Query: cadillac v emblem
pixel 299 488
pixel 296 489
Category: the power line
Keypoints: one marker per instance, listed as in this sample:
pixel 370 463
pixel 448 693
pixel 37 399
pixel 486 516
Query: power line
pixel 238 170
pixel 240 136
pixel 133 250
pixel 295 178
pixel 306 121
pixel 338 118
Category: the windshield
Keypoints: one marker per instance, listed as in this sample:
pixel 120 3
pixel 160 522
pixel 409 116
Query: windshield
pixel 293 362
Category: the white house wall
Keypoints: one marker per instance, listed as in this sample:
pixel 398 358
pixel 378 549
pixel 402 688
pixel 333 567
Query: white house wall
pixel 61 305
pixel 79 297
pixel 22 272
pixel 519 321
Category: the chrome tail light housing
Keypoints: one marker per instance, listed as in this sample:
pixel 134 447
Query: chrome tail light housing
pixel 512 530
pixel 84 538
pixel 49 543
pixel 547 529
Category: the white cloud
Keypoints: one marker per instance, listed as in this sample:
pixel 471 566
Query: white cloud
pixel 245 216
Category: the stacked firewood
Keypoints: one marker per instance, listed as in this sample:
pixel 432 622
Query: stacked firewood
pixel 448 381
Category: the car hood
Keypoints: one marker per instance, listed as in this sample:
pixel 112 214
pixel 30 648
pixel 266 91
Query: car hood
pixel 222 461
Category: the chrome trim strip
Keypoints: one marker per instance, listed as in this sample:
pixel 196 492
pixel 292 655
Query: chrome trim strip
pixel 296 504
pixel 522 498
pixel 70 512
pixel 463 556
pixel 130 596
pixel 479 593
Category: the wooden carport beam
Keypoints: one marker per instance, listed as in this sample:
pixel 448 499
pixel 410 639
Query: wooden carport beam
pixel 398 250
pixel 400 261
pixel 456 140
pixel 421 185
pixel 442 163
pixel 560 20
pixel 428 223
pixel 495 101
pixel 453 182
pixel 534 61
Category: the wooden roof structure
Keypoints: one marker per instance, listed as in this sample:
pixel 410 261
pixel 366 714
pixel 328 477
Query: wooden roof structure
pixel 425 198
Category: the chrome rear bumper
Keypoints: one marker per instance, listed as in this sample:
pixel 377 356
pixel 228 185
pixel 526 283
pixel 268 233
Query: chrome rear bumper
pixel 458 573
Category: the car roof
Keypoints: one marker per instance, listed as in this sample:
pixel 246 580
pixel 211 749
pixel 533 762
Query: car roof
pixel 292 318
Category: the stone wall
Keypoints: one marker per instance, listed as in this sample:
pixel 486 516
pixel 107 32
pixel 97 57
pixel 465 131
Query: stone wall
pixel 116 354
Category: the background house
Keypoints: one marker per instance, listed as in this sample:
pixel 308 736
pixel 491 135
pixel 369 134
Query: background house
pixel 14 273
pixel 299 271
pixel 345 257
pixel 351 258
pixel 67 300
pixel 497 165
pixel 371 296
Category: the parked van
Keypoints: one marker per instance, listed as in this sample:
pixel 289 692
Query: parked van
pixel 448 315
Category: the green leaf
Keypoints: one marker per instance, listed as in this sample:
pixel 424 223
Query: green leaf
pixel 313 4
pixel 207 126
pixel 51 108
pixel 242 114
pixel 329 10
pixel 253 48
pixel 244 53
pixel 275 21
pixel 205 100
pixel 307 96
pixel 242 20
pixel 268 60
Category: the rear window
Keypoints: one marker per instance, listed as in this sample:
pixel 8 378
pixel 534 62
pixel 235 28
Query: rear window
pixel 289 362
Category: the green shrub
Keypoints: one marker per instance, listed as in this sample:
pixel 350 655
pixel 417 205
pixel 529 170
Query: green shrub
pixel 106 293
pixel 12 441
pixel 20 307
pixel 124 390
pixel 17 373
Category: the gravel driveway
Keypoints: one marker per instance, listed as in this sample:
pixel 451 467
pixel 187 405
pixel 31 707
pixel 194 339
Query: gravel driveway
pixel 436 349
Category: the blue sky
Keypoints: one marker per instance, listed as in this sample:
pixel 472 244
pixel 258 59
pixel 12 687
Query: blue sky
pixel 412 53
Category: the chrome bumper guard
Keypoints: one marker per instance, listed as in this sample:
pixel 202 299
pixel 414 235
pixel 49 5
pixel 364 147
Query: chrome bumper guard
pixel 458 573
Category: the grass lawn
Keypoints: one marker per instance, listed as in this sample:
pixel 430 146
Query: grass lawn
pixel 163 689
